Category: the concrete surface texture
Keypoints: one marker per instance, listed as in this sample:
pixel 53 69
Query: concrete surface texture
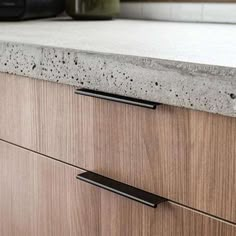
pixel 181 64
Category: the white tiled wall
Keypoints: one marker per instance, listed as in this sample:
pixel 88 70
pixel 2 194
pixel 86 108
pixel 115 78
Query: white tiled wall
pixel 198 12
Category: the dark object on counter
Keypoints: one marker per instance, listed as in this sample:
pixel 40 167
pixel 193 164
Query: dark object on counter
pixel 25 9
pixel 92 9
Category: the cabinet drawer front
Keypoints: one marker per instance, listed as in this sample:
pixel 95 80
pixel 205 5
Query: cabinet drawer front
pixel 183 155
pixel 40 196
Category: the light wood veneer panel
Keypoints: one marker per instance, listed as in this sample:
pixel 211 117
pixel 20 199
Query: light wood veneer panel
pixel 184 155
pixel 40 196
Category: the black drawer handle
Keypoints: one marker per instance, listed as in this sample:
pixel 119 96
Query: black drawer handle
pixel 122 189
pixel 117 98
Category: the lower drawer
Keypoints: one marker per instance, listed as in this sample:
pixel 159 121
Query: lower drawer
pixel 40 196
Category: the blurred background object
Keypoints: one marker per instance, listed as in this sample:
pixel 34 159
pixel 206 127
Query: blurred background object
pixel 216 11
pixel 92 9
pixel 25 9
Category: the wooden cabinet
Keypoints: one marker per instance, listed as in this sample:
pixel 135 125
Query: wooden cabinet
pixel 40 196
pixel 186 156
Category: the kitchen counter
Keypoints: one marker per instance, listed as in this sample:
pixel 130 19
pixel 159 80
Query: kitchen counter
pixel 181 64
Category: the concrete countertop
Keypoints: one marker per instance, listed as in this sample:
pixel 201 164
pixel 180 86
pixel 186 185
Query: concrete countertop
pixel 181 64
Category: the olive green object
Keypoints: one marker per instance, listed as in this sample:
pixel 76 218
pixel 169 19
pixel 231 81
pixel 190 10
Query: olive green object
pixel 92 9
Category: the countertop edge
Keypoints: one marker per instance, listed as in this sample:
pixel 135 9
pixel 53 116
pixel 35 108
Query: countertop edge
pixel 201 87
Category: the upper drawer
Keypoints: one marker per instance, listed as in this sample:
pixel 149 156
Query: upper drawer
pixel 40 196
pixel 183 155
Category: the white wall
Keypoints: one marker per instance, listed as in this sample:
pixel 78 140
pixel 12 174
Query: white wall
pixel 196 12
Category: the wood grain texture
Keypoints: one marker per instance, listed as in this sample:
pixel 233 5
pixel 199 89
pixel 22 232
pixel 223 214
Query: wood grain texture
pixel 40 196
pixel 184 155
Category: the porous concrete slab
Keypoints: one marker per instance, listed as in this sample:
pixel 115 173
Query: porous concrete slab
pixel 152 73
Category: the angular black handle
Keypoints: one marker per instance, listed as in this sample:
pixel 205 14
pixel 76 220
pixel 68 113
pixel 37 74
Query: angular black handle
pixel 117 98
pixel 122 189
